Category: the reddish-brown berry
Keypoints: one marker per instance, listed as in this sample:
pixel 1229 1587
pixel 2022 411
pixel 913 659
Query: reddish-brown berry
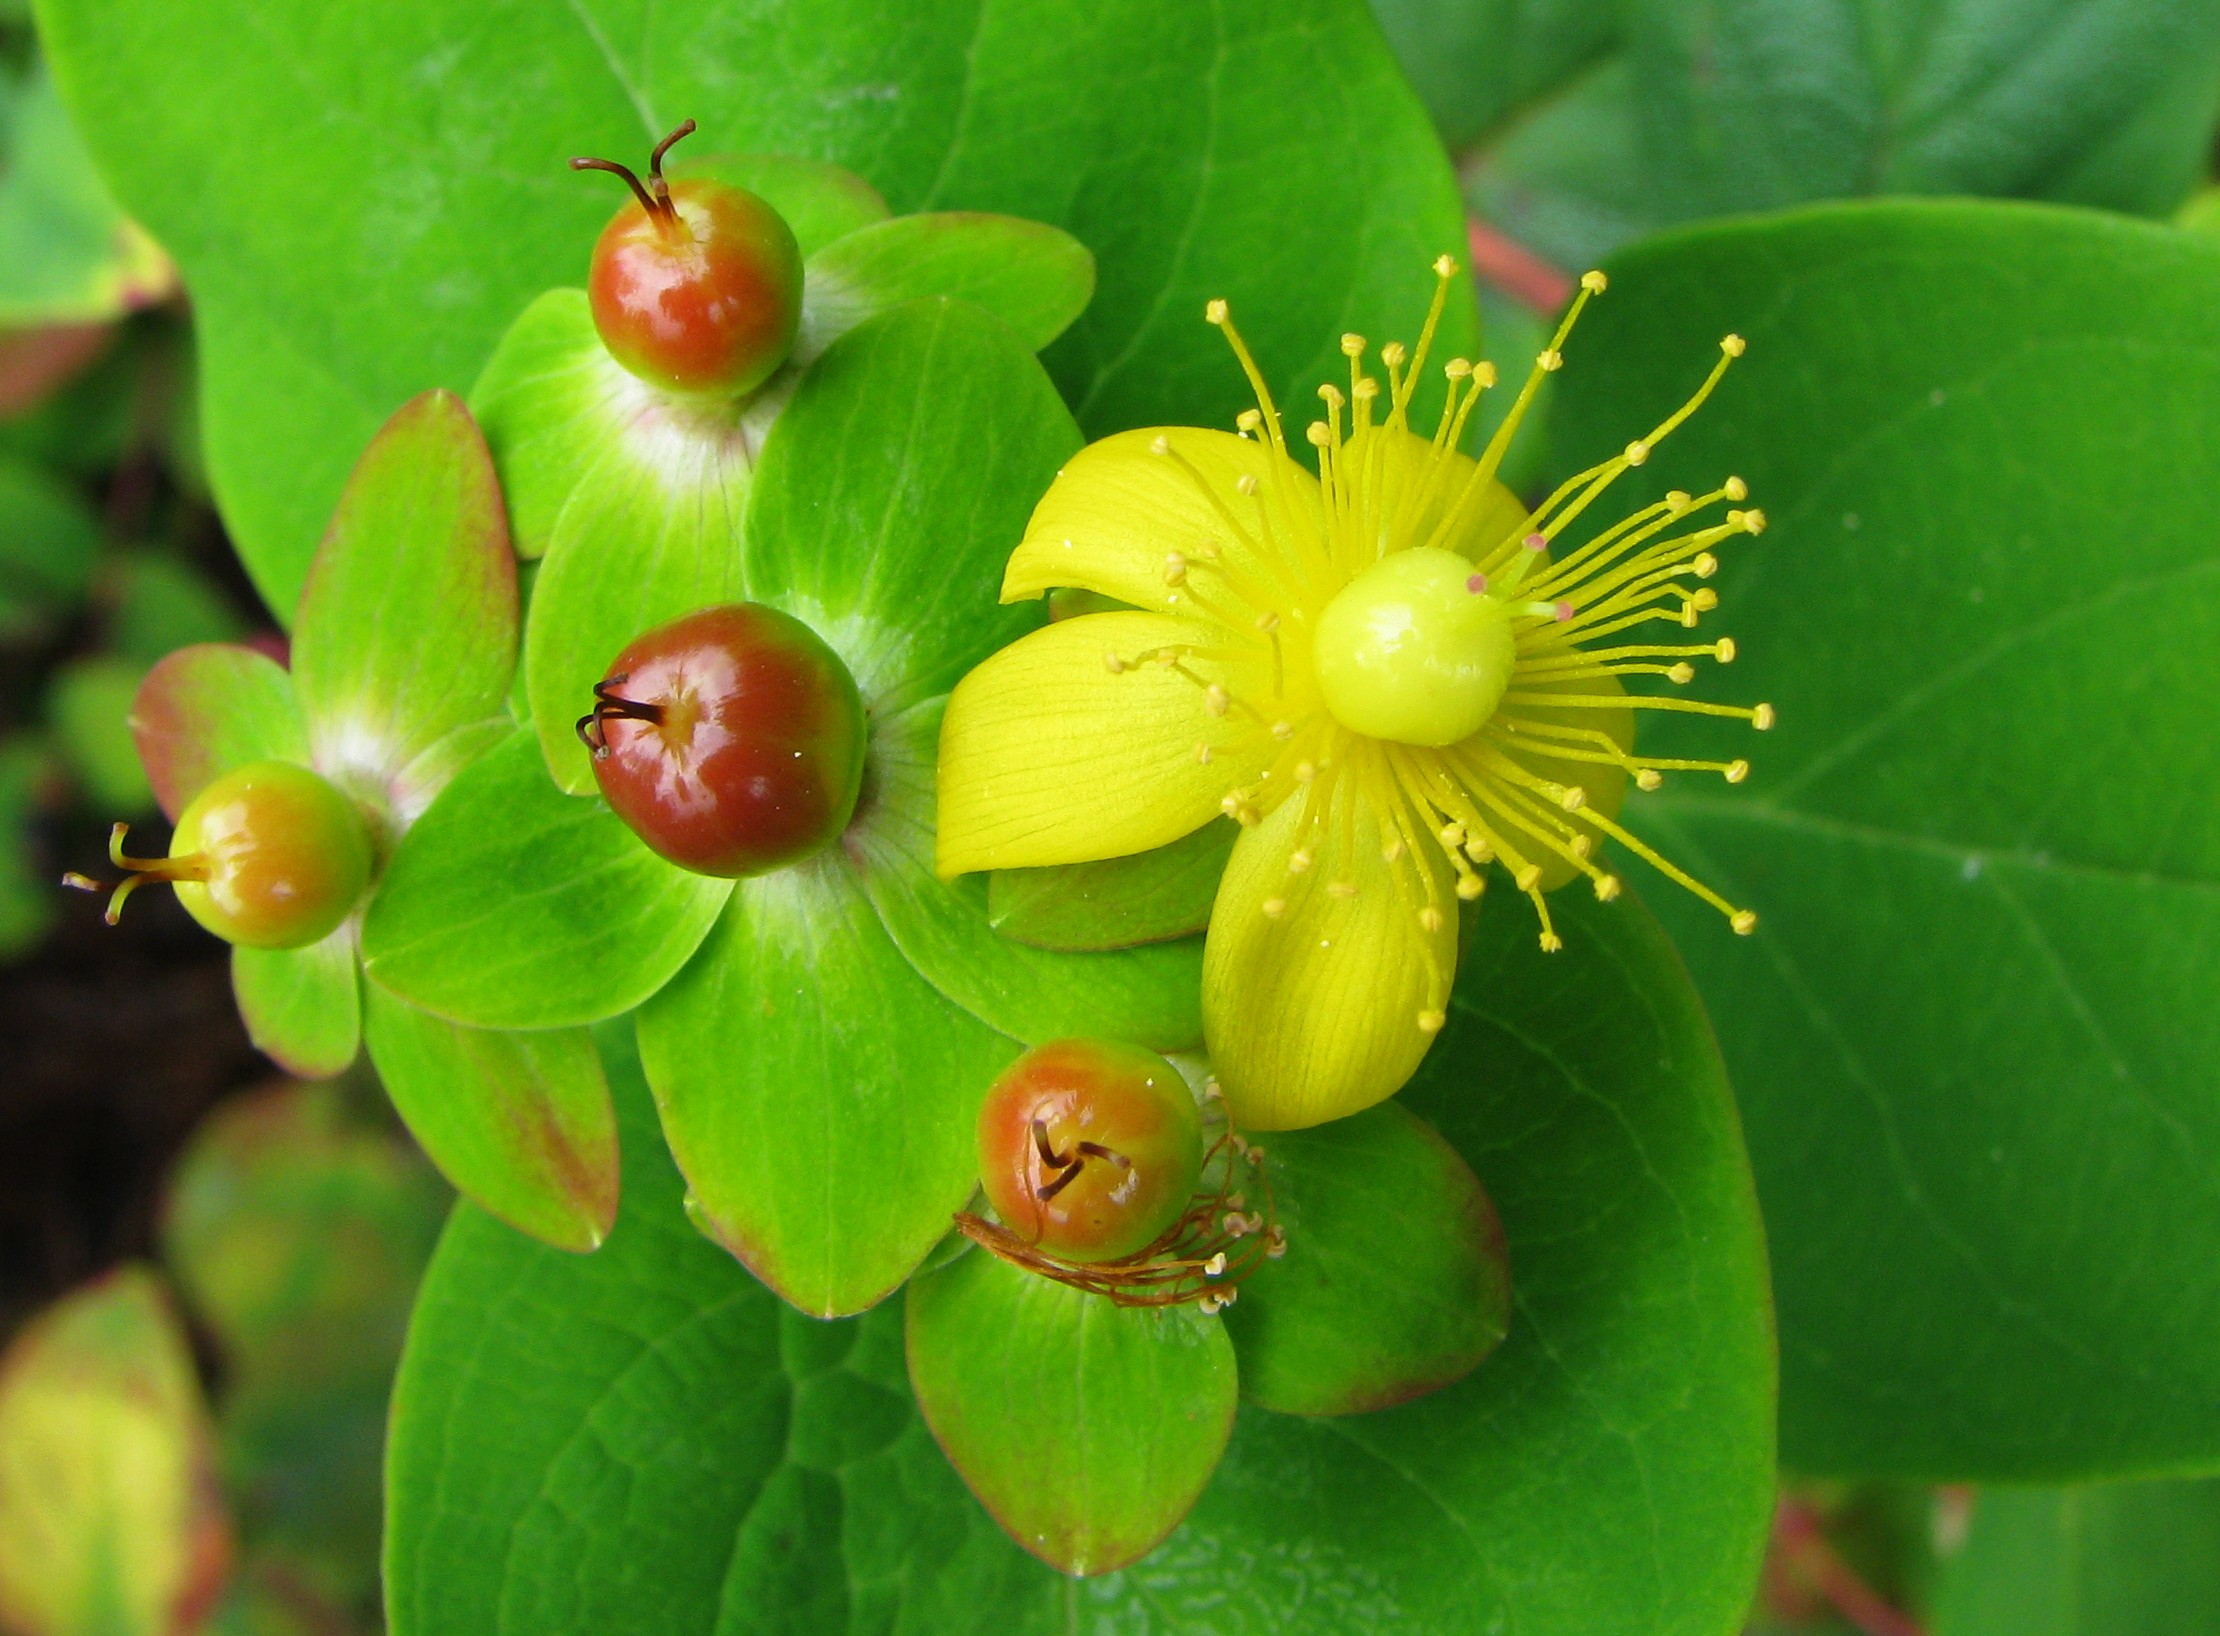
pixel 730 740
pixel 696 285
pixel 1090 1149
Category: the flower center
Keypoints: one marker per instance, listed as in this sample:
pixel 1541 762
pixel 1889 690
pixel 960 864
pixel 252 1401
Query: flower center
pixel 1414 649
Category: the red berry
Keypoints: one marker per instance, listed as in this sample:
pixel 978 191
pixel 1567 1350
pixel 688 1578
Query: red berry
pixel 730 740
pixel 1089 1149
pixel 696 285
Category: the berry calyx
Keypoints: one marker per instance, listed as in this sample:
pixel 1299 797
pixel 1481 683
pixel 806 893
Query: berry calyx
pixel 1090 1150
pixel 731 741
pixel 270 856
pixel 696 285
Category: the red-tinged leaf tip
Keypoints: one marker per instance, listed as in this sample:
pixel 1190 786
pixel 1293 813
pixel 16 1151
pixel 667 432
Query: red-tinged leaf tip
pixel 208 708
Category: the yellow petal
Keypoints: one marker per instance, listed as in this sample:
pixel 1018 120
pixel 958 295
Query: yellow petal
pixel 1142 527
pixel 1603 784
pixel 1047 755
pixel 1313 994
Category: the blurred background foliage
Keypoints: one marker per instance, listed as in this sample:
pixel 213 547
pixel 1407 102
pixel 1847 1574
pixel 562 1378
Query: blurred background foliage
pixel 201 1337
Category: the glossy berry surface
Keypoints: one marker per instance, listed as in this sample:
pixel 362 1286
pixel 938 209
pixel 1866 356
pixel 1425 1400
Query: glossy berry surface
pixel 270 856
pixel 731 740
pixel 696 285
pixel 1090 1149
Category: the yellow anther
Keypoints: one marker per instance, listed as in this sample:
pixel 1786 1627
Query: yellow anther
pixel 1175 568
pixel 1550 362
pixel 1583 844
pixel 1352 345
pixel 1444 267
pixel 1393 355
pixel 1268 621
pixel 1246 482
pixel 1744 922
pixel 1704 600
pixel 1215 1266
pixel 1594 282
pixel 1483 374
pixel 1479 851
pixel 1733 346
pixel 1470 887
pixel 1457 368
pixel 1305 772
pixel 1429 919
pixel 1637 452
pixel 1249 419
pixel 1753 521
pixel 1735 489
pixel 1452 836
pixel 1724 650
pixel 1649 778
pixel 1573 799
pixel 1112 663
pixel 1160 444
pixel 1705 565
pixel 1762 718
pixel 1299 860
pixel 1215 313
pixel 1216 700
pixel 1528 877
pixel 1392 852
pixel 1366 389
pixel 1683 672
pixel 1678 501
pixel 1283 730
pixel 1431 1022
pixel 1341 889
pixel 1607 888
pixel 1318 434
pixel 1551 943
pixel 1202 753
pixel 1736 771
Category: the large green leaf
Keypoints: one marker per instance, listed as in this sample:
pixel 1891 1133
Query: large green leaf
pixel 1973 1036
pixel 1717 107
pixel 1085 1427
pixel 512 905
pixel 48 538
pixel 820 1096
pixel 1034 278
pixel 1480 62
pixel 2129 1559
pixel 1270 155
pixel 302 1007
pixel 642 1441
pixel 407 628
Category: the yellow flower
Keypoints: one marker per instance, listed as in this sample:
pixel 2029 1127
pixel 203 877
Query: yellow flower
pixel 1391 673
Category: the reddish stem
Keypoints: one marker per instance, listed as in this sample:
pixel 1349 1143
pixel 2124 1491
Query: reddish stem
pixel 1804 1545
pixel 1515 270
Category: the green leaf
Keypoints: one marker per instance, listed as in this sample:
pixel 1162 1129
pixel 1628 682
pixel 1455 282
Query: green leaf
pixel 519 1123
pixel 641 1442
pixel 27 771
pixel 47 541
pixel 1150 995
pixel 1036 279
pixel 407 629
pixel 207 709
pixel 512 905
pixel 67 255
pixel 1753 104
pixel 1273 156
pixel 1086 1428
pixel 637 544
pixel 1971 1035
pixel 819 1096
pixel 302 1007
pixel 1115 902
pixel 164 603
pixel 2134 1559
pixel 1394 1282
pixel 88 705
pixel 1480 62
pixel 893 489
pixel 110 1520
pixel 820 202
